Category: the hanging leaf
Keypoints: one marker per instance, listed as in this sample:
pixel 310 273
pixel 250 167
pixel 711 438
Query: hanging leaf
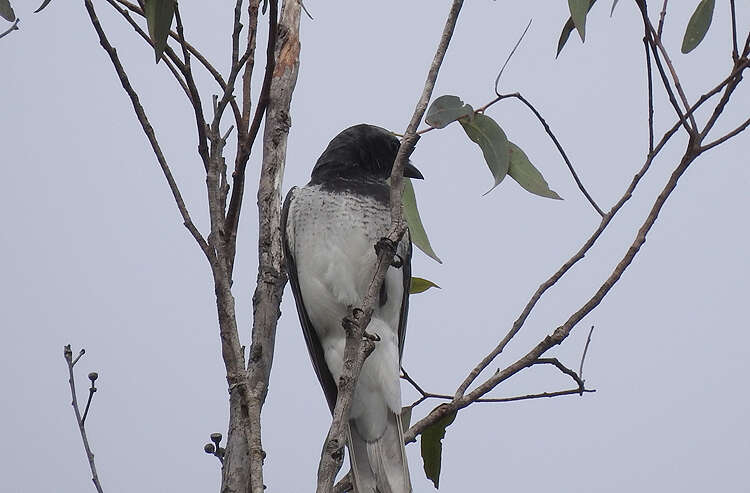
pixel 612 11
pixel 432 447
pixel 698 25
pixel 6 11
pixel 578 11
pixel 527 175
pixel 447 109
pixel 416 229
pixel 485 132
pixel 405 417
pixel 159 15
pixel 419 285
pixel 567 29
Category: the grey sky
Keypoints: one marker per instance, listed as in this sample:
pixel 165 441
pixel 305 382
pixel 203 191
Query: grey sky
pixel 94 254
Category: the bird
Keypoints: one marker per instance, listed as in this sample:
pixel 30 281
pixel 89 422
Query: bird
pixel 329 229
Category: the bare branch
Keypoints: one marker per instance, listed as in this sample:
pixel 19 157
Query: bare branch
pixel 244 147
pixel 726 137
pixel 68 354
pixel 356 322
pixel 564 369
pixel 271 271
pixel 148 130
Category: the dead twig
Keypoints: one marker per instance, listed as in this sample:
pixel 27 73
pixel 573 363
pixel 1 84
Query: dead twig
pixel 68 354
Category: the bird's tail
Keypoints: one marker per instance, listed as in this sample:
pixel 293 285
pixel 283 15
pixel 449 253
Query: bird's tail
pixel 380 466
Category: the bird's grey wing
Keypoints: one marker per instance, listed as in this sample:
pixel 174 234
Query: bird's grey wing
pixel 311 337
pixel 406 270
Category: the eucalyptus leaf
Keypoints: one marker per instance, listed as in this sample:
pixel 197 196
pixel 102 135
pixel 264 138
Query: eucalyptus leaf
pixel 159 15
pixel 567 29
pixel 447 109
pixel 698 25
pixel 432 447
pixel 419 285
pixel 416 229
pixel 486 133
pixel 578 11
pixel 527 175
pixel 6 11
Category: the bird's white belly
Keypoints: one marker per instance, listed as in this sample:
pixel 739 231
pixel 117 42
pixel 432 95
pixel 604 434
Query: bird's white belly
pixel 335 269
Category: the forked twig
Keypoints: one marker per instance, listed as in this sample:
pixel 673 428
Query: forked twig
pixel 68 354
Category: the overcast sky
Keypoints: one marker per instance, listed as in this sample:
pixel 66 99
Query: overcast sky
pixel 93 253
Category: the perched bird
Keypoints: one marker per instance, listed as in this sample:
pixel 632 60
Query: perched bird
pixel 330 228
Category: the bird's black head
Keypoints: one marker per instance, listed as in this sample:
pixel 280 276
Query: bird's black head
pixel 360 153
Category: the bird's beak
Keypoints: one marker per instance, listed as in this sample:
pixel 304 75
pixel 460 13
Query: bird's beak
pixel 410 171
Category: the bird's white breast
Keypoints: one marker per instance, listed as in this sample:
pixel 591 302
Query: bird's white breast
pixel 332 237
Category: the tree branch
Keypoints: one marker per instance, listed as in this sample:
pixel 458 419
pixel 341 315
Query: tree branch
pixel 245 142
pixel 148 130
pixel 13 27
pixel 356 322
pixel 271 271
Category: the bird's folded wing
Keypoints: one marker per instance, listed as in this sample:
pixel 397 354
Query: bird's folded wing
pixel 311 336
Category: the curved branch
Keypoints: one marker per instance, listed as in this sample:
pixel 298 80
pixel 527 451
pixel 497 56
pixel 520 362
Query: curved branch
pixel 356 322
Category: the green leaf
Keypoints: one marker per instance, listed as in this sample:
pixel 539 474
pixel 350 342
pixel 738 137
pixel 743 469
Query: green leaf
pixel 698 25
pixel 405 417
pixel 566 30
pixel 527 175
pixel 419 285
pixel 447 109
pixel 416 230
pixel 485 132
pixel 612 11
pixel 6 11
pixel 578 11
pixel 432 447
pixel 159 14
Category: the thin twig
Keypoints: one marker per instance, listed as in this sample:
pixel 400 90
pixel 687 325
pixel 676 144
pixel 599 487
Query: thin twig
pixel 662 16
pixel 649 34
pixel 585 350
pixel 148 130
pixel 650 85
pixel 510 55
pixel 68 354
pixel 559 149
pixel 564 369
pixel 655 38
pixel 13 27
pixel 195 97
pixel 735 53
pixel 244 148
pixel 193 51
pixel 726 137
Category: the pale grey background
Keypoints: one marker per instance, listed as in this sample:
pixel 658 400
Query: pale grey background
pixel 94 254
